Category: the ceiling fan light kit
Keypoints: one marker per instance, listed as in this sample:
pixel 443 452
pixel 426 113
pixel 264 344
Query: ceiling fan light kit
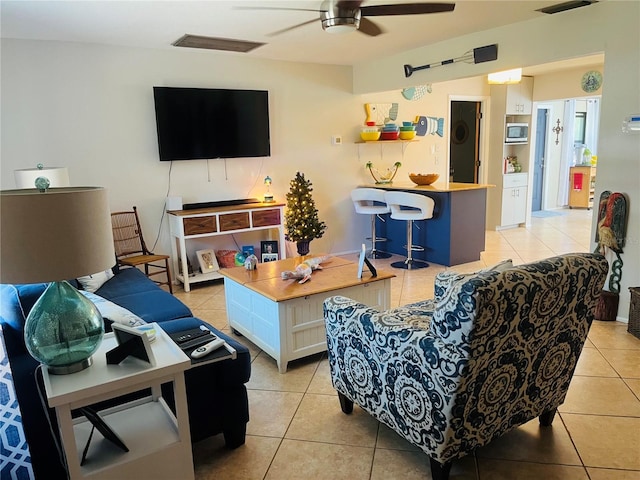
pixel 336 20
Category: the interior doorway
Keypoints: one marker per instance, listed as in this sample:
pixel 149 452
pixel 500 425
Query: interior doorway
pixel 542 118
pixel 464 141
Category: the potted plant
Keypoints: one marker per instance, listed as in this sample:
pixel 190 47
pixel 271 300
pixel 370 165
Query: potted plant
pixel 301 218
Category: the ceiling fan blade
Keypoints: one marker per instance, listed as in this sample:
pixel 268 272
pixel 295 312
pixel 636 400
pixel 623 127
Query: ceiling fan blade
pixel 406 9
pixel 279 8
pixel 278 32
pixel 369 28
pixel 349 4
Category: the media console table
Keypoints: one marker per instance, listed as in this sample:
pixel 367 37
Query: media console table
pixel 210 222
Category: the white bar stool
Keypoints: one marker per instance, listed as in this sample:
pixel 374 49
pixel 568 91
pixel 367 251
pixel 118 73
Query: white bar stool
pixel 364 200
pixel 410 207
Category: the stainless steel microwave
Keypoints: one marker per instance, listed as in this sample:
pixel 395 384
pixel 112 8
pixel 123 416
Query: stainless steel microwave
pixel 516 133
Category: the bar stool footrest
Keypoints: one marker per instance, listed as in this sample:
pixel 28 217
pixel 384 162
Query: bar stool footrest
pixel 410 264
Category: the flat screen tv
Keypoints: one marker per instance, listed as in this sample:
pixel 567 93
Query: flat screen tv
pixel 203 123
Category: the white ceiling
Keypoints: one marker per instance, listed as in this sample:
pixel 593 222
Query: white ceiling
pixel 156 24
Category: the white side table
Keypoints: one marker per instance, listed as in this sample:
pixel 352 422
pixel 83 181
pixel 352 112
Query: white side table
pixel 159 443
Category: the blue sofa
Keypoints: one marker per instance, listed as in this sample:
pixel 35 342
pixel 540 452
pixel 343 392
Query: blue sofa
pixel 216 393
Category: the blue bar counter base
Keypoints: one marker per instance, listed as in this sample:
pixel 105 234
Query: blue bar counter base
pixel 455 234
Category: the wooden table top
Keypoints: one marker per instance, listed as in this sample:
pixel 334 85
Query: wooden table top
pixel 439 186
pixel 266 280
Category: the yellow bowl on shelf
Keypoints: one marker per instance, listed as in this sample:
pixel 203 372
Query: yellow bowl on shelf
pixel 370 136
pixel 426 179
pixel 407 134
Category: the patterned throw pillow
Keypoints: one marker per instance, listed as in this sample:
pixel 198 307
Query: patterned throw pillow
pixel 91 283
pixel 113 312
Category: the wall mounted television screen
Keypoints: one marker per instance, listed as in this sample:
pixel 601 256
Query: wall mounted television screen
pixel 202 123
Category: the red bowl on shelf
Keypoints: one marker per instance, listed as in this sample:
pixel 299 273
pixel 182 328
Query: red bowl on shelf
pixel 389 135
pixel 371 124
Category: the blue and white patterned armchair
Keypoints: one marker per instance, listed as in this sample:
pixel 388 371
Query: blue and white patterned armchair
pixel 492 351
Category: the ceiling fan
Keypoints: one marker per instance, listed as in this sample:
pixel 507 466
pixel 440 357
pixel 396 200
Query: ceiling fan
pixel 346 16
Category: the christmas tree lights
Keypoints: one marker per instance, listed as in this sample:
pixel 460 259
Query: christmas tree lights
pixel 301 219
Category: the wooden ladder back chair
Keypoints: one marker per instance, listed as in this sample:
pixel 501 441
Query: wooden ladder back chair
pixel 132 251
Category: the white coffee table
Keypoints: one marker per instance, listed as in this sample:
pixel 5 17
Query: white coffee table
pixel 285 318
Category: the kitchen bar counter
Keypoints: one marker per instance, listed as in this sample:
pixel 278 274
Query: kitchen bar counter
pixel 441 187
pixel 455 234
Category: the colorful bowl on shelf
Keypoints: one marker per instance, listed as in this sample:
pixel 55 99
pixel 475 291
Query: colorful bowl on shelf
pixel 423 179
pixel 408 129
pixel 407 124
pixel 386 135
pixel 407 135
pixel 371 124
pixel 370 136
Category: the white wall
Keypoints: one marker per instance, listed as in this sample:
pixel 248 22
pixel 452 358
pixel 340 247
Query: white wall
pixel 90 108
pixel 430 153
pixel 608 27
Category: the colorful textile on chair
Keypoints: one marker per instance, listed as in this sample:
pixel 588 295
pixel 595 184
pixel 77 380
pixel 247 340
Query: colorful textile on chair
pixel 497 349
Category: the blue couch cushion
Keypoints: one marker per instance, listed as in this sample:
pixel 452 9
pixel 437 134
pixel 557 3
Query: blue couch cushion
pixel 153 306
pixel 16 302
pixel 126 282
pixel 131 289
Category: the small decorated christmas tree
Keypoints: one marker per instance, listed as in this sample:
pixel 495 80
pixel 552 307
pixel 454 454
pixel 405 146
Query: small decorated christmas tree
pixel 301 219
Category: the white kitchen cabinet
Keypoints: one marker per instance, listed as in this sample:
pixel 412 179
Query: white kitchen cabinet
pixel 519 97
pixel 507 203
pixel 514 199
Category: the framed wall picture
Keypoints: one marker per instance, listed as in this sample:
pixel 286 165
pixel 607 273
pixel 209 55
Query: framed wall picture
pixel 269 257
pixel 270 247
pixel 207 260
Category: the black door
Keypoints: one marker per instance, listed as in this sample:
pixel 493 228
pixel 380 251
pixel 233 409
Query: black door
pixel 465 141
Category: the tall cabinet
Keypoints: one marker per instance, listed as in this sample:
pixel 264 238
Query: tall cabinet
pixel 507 202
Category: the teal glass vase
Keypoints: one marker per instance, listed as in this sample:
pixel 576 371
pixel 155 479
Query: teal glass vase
pixel 63 329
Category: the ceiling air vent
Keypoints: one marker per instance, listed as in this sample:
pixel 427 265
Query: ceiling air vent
pixel 213 43
pixel 562 7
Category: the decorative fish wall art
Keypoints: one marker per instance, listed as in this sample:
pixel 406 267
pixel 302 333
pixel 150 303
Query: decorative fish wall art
pixel 417 92
pixel 429 125
pixel 381 113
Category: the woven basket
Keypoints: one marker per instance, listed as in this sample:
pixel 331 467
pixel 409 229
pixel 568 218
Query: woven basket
pixel 226 258
pixel 634 312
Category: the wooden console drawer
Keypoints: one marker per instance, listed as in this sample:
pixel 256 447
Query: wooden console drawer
pixel 234 221
pixel 262 218
pixel 199 225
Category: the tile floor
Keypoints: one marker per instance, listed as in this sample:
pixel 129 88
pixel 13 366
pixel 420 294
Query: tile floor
pixel 297 430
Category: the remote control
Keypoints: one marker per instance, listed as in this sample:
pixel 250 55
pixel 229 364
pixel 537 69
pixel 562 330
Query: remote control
pixel 193 333
pixel 209 347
